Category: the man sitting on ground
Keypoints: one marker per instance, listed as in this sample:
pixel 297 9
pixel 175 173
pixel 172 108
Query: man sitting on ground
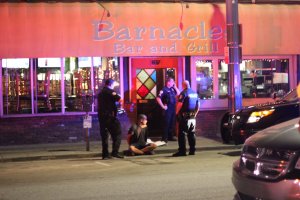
pixel 137 138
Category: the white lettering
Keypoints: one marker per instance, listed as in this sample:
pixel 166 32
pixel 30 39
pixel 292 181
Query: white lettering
pixel 139 31
pixel 153 31
pixel 123 34
pixel 105 30
pixel 188 32
pixel 121 49
pixel 174 33
pixel 164 49
pixel 215 33
pixel 193 47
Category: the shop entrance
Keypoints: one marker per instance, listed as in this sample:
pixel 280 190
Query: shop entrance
pixel 148 77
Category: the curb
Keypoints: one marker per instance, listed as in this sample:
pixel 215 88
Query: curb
pixel 93 155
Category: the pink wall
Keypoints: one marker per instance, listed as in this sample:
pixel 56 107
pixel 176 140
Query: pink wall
pixel 84 29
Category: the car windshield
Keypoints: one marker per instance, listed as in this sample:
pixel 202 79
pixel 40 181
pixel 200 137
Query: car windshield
pixel 291 96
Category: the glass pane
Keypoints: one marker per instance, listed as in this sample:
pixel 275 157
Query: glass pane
pixel 146 83
pixel 260 77
pixel 223 79
pixel 16 86
pixel 48 85
pixel 204 78
pixel 77 82
pixel 104 68
pixel 267 76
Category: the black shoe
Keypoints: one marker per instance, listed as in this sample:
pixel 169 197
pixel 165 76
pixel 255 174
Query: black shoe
pixel 106 157
pixel 128 153
pixel 191 153
pixel 116 155
pixel 150 153
pixel 179 154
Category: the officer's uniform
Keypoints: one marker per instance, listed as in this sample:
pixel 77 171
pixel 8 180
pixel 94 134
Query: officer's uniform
pixel 189 100
pixel 109 124
pixel 168 97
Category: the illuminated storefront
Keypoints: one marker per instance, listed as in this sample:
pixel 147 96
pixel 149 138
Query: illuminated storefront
pixel 65 52
pixel 33 86
pixel 261 76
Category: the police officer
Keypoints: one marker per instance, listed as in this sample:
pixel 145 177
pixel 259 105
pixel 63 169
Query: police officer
pixel 187 110
pixel 167 101
pixel 109 123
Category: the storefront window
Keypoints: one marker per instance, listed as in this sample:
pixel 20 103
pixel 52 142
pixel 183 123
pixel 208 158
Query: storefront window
pixel 204 78
pixel 84 78
pixel 260 77
pixel 104 68
pixel 16 86
pixel 48 85
pixel 77 82
pixel 223 80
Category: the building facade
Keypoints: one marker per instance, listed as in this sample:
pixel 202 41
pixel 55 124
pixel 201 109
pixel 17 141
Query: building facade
pixel 54 57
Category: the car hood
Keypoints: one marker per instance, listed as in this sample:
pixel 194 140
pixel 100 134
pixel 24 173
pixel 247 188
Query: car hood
pixel 266 105
pixel 281 136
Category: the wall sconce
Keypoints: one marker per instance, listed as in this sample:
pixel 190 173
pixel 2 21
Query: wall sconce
pixel 186 6
pixel 105 9
pixel 100 27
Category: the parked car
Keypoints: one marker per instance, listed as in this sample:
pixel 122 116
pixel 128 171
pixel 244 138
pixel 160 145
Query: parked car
pixel 269 165
pixel 249 120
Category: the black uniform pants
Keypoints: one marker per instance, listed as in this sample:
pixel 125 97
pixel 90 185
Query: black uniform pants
pixel 185 130
pixel 169 123
pixel 110 125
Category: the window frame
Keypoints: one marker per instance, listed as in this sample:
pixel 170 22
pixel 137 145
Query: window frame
pixel 62 88
pixel 217 103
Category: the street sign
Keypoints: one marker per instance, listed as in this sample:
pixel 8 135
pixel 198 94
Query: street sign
pixel 87 121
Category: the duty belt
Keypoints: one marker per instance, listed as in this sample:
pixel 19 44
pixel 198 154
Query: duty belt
pixel 188 114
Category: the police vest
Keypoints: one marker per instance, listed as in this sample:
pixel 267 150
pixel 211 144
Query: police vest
pixel 168 96
pixel 190 101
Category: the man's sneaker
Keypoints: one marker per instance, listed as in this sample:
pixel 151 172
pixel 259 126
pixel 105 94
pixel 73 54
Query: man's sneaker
pixel 116 155
pixel 177 154
pixel 191 153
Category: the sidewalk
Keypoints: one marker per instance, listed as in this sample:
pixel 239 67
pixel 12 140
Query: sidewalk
pixel 78 150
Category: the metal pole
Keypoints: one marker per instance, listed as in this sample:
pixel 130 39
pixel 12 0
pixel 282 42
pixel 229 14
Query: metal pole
pixel 87 135
pixel 233 41
pixel 1 91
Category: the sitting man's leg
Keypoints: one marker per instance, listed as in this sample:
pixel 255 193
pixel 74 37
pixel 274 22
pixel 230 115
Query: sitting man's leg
pixel 149 148
pixel 136 150
pixel 142 149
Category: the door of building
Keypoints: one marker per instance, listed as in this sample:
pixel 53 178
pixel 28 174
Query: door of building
pixel 148 77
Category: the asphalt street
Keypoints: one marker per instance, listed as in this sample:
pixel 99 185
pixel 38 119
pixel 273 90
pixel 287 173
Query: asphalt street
pixel 205 176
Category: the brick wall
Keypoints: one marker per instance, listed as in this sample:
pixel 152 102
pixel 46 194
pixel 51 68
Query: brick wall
pixel 208 123
pixel 69 128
